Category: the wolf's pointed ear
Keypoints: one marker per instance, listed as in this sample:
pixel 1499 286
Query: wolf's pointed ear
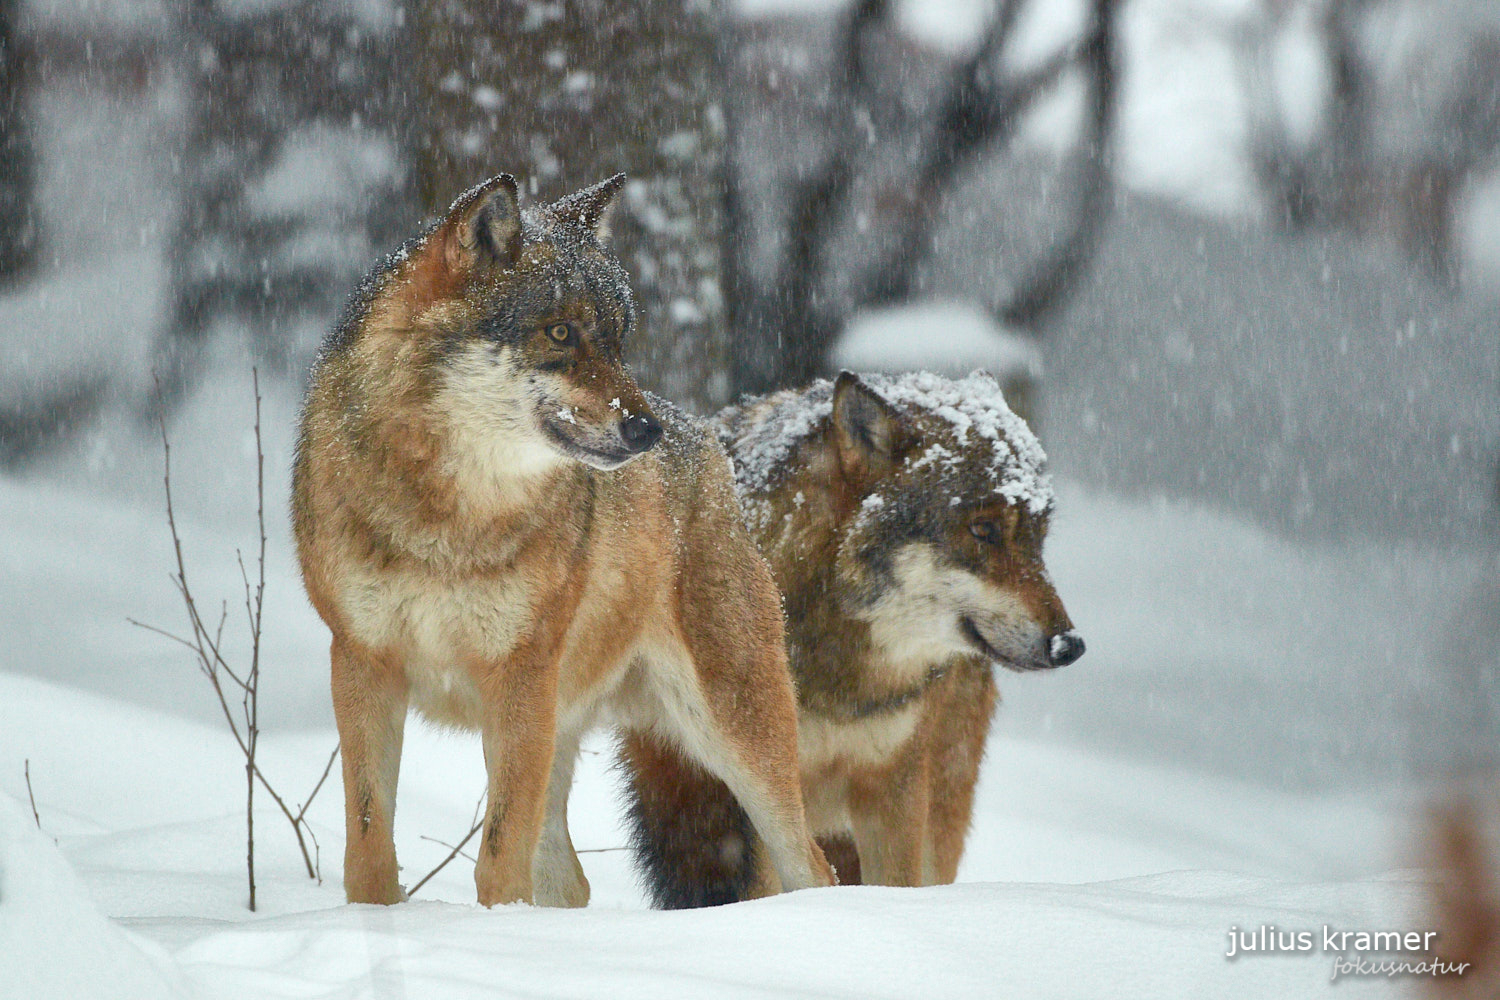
pixel 591 207
pixel 870 433
pixel 484 224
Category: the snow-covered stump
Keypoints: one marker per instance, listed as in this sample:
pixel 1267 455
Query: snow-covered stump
pixel 949 338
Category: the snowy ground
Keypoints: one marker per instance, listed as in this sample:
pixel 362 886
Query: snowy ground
pixel 1086 877
pixel 1114 845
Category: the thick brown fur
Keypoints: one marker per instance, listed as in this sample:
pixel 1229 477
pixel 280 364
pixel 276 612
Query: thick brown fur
pixel 488 525
pixel 906 574
pixel 1463 851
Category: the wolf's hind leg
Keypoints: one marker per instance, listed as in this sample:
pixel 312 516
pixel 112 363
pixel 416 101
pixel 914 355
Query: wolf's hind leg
pixel 693 844
pixel 556 875
pixel 369 704
pixel 841 853
pixel 738 716
pixel 755 755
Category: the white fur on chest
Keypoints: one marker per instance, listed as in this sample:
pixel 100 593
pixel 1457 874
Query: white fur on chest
pixel 868 742
pixel 441 630
pixel 829 751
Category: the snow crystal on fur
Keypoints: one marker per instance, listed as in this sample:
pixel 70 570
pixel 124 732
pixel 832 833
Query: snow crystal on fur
pixel 761 433
pixel 976 405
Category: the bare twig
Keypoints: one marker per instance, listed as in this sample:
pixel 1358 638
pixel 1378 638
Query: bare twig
pixel 444 843
pixel 327 768
pixel 30 796
pixel 301 823
pixel 474 828
pixel 164 634
pixel 444 863
pixel 207 647
pixel 457 851
pixel 251 701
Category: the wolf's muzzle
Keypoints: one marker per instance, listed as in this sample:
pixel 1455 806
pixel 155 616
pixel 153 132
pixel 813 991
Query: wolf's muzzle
pixel 1064 648
pixel 639 433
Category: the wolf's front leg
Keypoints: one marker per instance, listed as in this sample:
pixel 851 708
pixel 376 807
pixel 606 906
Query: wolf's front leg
pixel 961 718
pixel 369 705
pixel 555 872
pixel 519 734
pixel 888 813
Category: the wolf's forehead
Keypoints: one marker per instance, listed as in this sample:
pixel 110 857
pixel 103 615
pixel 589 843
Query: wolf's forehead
pixel 570 268
pixel 970 437
pixel 971 471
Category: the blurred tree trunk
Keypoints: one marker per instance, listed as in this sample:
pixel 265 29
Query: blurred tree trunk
pixel 18 224
pixel 1394 150
pixel 294 176
pixel 787 316
pixel 568 93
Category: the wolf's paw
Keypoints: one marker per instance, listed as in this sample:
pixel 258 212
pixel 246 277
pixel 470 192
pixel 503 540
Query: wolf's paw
pixel 570 893
pixel 382 892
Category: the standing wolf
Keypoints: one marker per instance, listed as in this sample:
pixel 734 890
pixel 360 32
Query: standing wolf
pixel 503 532
pixel 903 519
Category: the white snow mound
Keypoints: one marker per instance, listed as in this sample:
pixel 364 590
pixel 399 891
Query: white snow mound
pixel 55 943
pixel 950 338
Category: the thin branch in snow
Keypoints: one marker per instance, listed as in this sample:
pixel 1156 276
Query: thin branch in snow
pixel 30 796
pixel 458 849
pixel 444 863
pixel 443 843
pixel 327 768
pixel 207 648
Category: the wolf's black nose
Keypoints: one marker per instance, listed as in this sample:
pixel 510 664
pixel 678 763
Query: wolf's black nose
pixel 1065 648
pixel 639 433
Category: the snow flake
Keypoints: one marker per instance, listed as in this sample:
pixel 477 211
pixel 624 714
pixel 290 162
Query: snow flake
pixel 685 312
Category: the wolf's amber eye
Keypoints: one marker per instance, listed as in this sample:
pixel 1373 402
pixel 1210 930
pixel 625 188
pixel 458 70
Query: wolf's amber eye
pixel 561 333
pixel 986 531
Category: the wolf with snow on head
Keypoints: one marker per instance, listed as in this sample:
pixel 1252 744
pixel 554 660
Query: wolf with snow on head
pixel 904 519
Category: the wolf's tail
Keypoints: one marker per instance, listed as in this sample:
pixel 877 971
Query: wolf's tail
pixel 693 844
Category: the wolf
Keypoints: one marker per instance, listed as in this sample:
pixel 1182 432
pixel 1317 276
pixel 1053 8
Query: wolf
pixel 904 519
pixel 502 531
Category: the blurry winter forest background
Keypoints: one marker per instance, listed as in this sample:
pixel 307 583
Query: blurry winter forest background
pixel 1239 260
